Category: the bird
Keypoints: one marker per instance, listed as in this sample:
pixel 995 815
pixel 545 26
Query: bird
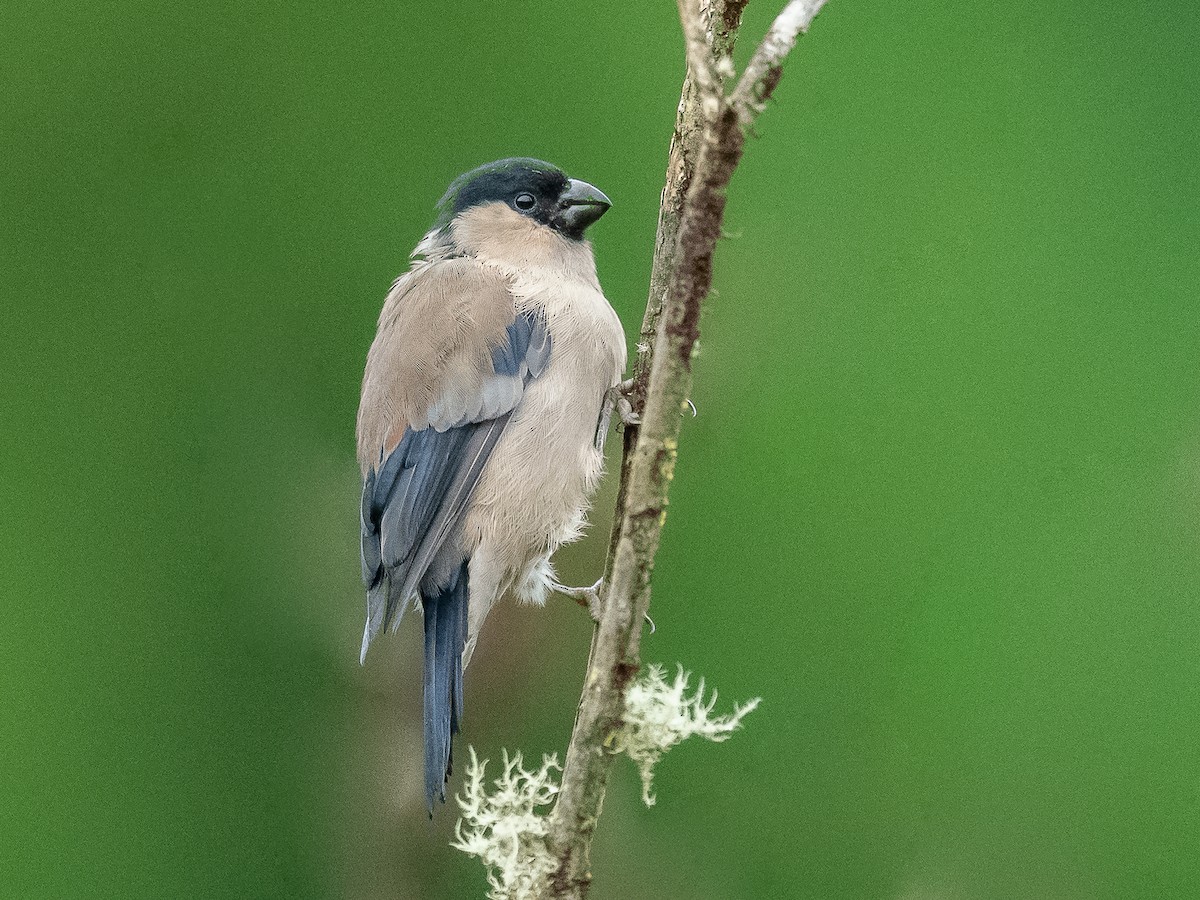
pixel 480 431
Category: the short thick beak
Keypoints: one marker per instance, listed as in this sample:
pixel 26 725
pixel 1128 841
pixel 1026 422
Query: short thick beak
pixel 579 206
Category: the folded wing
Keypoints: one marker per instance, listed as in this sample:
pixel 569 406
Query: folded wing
pixel 446 371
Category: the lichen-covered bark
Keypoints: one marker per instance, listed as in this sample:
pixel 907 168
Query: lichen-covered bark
pixel 706 147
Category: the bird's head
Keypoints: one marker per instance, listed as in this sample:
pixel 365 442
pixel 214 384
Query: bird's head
pixel 530 188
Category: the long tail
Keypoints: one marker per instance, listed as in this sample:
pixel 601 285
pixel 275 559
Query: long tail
pixel 445 638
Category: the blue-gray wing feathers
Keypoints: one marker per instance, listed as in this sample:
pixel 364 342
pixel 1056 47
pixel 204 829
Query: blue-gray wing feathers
pixel 414 500
pixel 445 374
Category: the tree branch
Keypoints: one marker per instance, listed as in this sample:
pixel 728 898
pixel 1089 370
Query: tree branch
pixel 765 68
pixel 706 147
pixel 723 20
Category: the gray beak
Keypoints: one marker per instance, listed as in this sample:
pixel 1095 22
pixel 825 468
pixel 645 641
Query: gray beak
pixel 579 206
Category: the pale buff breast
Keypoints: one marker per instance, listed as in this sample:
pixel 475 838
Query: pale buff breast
pixel 535 489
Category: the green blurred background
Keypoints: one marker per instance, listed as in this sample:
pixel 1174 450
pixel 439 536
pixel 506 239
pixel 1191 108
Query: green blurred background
pixel 939 508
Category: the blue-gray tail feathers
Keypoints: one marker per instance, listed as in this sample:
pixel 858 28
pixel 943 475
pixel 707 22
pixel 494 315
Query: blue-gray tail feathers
pixel 445 639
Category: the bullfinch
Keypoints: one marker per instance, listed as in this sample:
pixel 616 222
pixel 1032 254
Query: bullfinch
pixel 480 430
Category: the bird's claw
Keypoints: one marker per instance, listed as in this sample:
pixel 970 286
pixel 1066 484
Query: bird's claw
pixel 587 597
pixel 625 411
pixel 620 398
pixel 615 398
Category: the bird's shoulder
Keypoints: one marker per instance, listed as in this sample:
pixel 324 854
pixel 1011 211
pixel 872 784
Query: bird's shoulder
pixel 450 350
pixel 447 290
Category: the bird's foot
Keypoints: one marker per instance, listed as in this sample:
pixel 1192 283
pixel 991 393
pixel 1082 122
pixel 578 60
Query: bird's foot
pixel 625 411
pixel 616 398
pixel 620 398
pixel 587 597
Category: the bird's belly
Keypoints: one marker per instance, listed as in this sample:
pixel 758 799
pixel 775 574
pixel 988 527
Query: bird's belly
pixel 534 492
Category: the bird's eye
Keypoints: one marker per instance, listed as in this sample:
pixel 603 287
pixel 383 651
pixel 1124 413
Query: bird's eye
pixel 524 202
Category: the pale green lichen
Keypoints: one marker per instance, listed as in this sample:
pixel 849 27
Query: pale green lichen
pixel 503 827
pixel 660 713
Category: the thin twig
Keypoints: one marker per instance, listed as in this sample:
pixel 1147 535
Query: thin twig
pixel 724 18
pixel 765 68
pixel 707 145
pixel 698 42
